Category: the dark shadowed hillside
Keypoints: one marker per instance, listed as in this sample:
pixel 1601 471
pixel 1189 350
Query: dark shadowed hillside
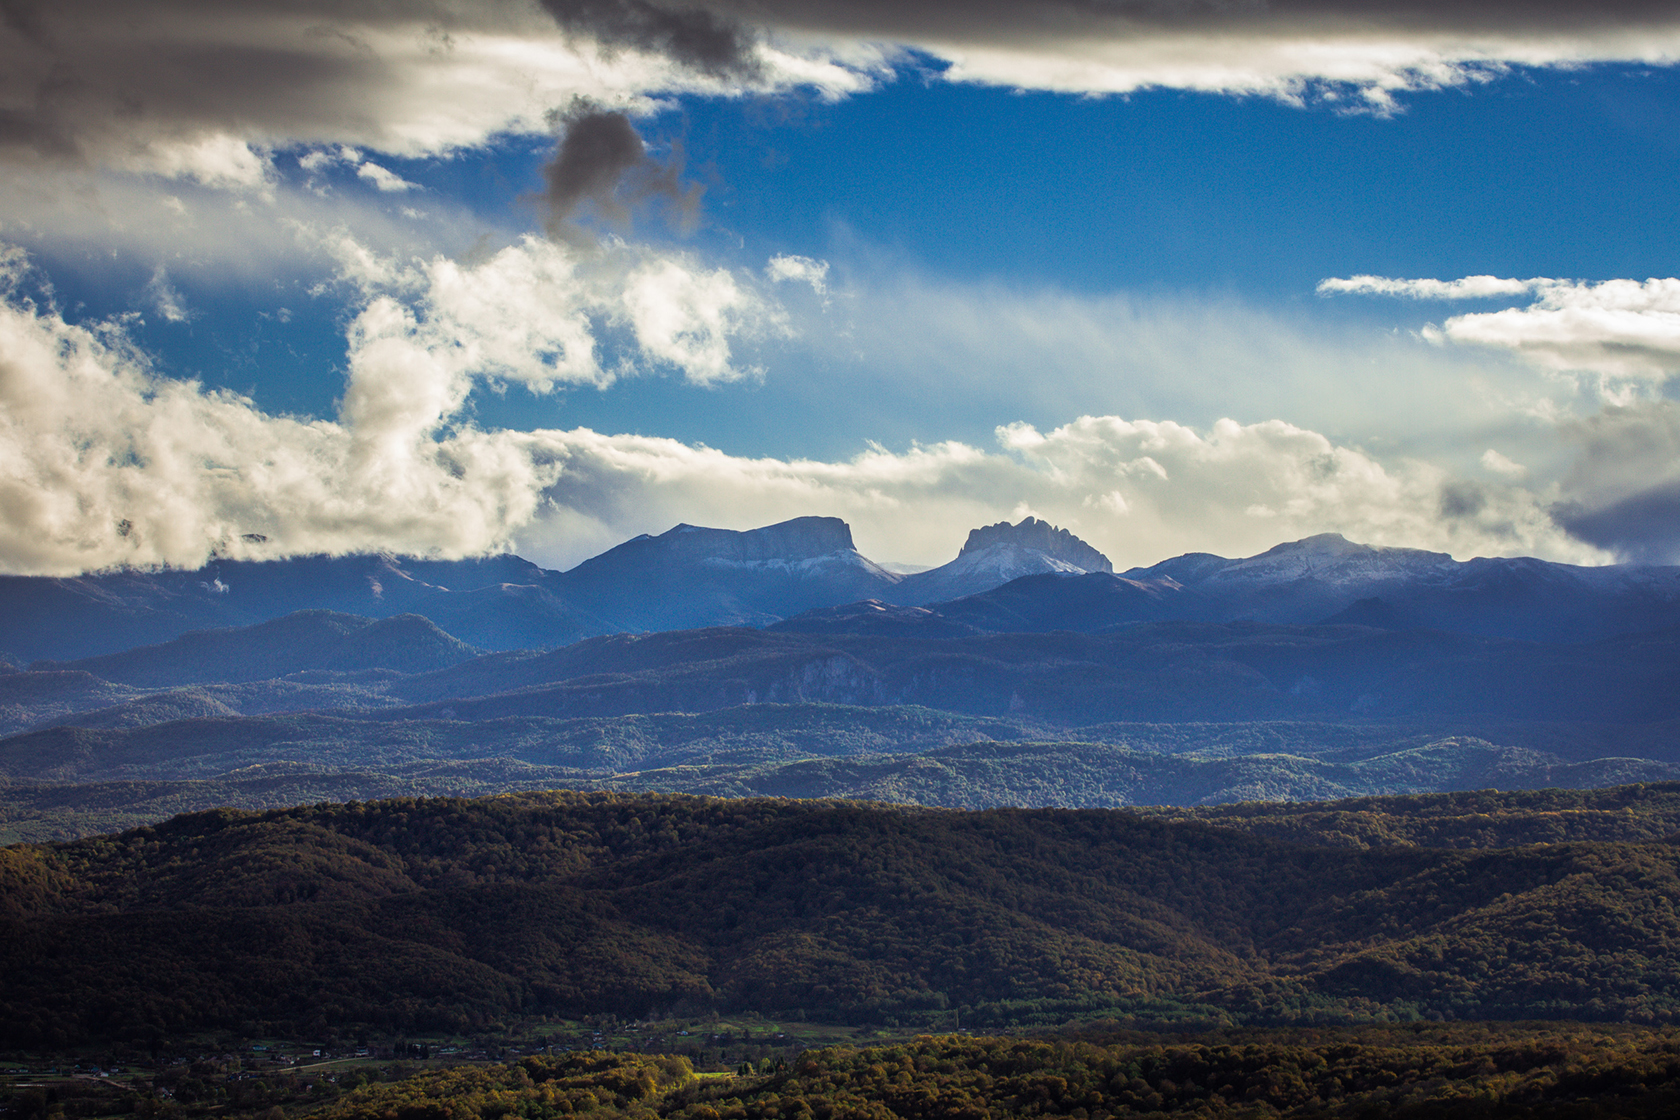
pixel 442 914
pixel 313 639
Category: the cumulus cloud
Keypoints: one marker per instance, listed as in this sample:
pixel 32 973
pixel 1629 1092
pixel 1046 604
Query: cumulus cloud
pixel 527 315
pixel 1620 329
pixel 103 462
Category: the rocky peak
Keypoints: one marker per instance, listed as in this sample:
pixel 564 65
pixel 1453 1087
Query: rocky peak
pixel 1040 536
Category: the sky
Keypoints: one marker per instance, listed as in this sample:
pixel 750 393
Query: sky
pixel 445 278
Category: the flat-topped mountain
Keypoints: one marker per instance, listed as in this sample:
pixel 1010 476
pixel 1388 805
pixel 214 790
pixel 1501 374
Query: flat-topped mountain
pixel 692 576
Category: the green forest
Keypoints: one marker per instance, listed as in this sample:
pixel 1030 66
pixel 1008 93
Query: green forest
pixel 415 915
pixel 1423 1072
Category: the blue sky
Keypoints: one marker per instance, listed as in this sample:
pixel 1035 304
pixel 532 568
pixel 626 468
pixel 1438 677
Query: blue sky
pixel 926 272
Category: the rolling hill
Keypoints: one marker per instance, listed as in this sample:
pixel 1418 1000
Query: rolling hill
pixel 450 914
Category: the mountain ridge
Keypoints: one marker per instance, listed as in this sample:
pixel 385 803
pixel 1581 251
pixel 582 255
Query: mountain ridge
pixel 692 576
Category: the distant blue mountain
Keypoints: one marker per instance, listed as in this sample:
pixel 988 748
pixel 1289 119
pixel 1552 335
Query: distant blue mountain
pixel 299 642
pixel 495 602
pixel 1023 578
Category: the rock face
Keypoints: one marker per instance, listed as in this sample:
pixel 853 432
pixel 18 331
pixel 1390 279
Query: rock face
pixel 1040 536
pixel 996 554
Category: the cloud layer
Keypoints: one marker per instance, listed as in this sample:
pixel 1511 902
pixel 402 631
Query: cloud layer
pixel 102 462
pixel 204 90
pixel 1140 490
pixel 1621 329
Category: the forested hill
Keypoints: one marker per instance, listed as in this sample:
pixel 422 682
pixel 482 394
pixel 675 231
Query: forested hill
pixel 453 914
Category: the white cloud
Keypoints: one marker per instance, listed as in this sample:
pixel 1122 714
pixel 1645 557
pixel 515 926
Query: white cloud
pixel 165 298
pixel 214 159
pixel 524 314
pixel 384 179
pixel 684 316
pixel 1471 287
pixel 785 267
pixel 1139 490
pixel 103 462
pixel 1620 329
pixel 1502 466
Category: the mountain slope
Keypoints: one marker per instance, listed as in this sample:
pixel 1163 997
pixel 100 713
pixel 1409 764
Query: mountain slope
pixel 1313 579
pixel 1166 671
pixel 495 602
pixel 303 640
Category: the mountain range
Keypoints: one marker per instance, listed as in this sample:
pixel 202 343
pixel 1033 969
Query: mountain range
pixel 807 575
pixel 781 661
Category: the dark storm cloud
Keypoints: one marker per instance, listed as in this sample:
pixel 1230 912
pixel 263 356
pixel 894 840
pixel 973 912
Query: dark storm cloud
pixel 1462 499
pixel 119 82
pixel 995 20
pixel 692 36
pixel 596 150
pixel 601 162
pixel 1622 493
pixel 1643 528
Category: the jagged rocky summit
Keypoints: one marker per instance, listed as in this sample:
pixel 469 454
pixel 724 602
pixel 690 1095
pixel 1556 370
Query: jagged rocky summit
pixel 1038 536
pixel 996 554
